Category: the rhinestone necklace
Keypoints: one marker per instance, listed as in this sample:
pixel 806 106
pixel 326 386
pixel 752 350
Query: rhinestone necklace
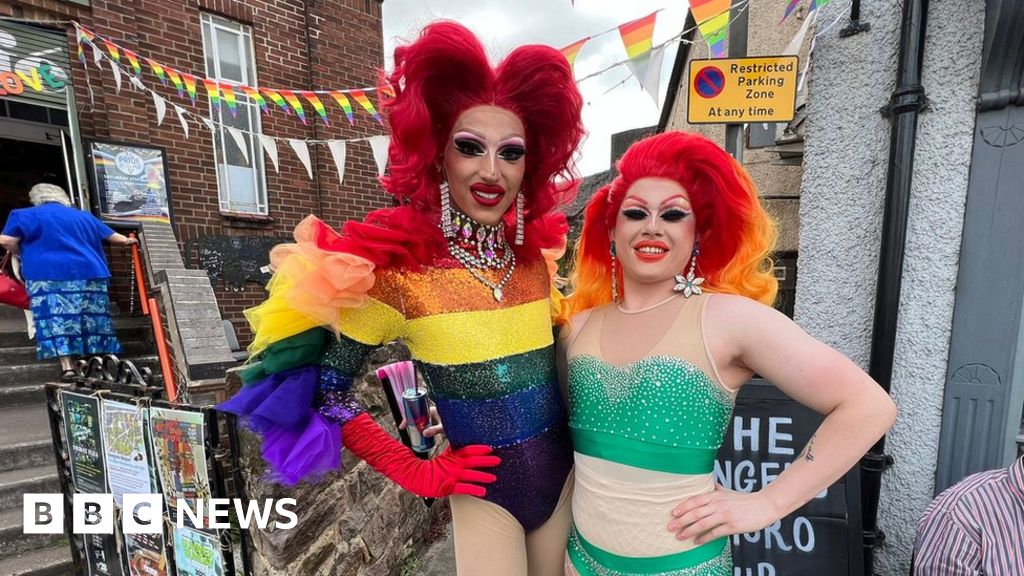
pixel 480 247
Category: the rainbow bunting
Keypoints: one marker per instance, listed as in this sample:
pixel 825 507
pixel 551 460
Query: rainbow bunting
pixel 276 99
pixel 296 105
pixel 572 50
pixel 133 59
pixel 228 94
pixel 84 34
pixel 636 35
pixel 176 80
pixel 815 4
pixel 256 97
pixel 790 8
pixel 342 101
pixel 387 91
pixel 190 85
pixel 366 104
pixel 712 17
pixel 112 48
pixel 213 92
pixel 158 70
pixel 313 99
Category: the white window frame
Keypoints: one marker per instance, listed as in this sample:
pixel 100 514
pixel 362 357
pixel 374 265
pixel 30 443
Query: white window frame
pixel 211 23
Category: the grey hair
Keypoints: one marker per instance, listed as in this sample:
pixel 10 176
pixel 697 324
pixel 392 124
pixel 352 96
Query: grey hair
pixel 43 193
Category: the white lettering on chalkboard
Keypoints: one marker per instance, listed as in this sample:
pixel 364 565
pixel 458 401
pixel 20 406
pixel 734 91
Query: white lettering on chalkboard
pixel 775 436
pixel 763 569
pixel 775 537
pixel 740 432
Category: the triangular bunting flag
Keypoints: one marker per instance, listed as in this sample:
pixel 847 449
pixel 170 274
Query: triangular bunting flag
pixel 572 50
pixel 296 105
pixel 815 4
pixel 213 93
pixel 116 70
pixel 277 99
pixel 256 97
pixel 793 48
pixel 337 148
pixel 176 80
pixel 342 101
pixel 181 118
pixel 161 107
pixel 209 123
pixel 115 52
pixel 360 97
pixel 314 101
pixel 302 151
pixel 97 56
pixel 239 139
pixel 379 145
pixel 157 69
pixel 637 35
pixel 137 83
pixel 647 70
pixel 270 147
pixel 133 60
pixel 712 17
pixel 790 8
pixel 190 86
pixel 229 98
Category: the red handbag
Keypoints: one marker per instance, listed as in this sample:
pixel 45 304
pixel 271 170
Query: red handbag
pixel 12 292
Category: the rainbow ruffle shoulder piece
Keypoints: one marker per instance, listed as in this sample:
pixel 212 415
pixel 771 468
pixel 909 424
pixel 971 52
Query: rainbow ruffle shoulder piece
pixel 294 398
pixel 551 258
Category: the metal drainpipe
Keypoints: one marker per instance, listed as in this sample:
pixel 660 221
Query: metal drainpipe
pixel 907 101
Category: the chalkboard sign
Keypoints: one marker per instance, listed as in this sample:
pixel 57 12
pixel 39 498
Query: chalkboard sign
pixel 769 430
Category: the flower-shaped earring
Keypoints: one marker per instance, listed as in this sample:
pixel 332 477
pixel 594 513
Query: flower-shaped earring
pixel 689 283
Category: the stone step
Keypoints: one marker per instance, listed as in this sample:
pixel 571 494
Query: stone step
pixel 13 539
pixel 53 560
pixel 22 395
pixel 26 440
pixel 15 483
pixel 22 374
pixel 26 355
pixel 128 328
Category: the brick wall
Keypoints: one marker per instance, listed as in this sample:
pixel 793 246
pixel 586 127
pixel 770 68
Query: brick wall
pixel 298 44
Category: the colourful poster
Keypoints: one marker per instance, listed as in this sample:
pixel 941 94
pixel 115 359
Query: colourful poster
pixel 101 556
pixel 197 554
pixel 180 456
pixel 146 554
pixel 130 181
pixel 124 440
pixel 85 447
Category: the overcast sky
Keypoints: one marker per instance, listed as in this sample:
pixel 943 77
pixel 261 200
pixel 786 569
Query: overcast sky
pixel 503 25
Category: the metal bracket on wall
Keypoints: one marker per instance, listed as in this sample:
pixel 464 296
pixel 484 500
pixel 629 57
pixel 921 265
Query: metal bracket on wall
pixel 855 26
pixel 907 99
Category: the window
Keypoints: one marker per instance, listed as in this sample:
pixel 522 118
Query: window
pixel 228 51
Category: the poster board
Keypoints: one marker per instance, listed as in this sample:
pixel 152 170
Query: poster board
pixel 129 181
pixel 84 442
pixel 180 457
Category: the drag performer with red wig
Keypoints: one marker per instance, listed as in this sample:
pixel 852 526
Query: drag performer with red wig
pixel 670 317
pixel 462 272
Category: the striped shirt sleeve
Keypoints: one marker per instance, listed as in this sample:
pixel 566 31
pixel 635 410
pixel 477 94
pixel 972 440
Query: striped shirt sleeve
pixel 945 548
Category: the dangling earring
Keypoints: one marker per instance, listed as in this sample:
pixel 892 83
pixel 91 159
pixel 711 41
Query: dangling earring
pixel 688 282
pixel 520 218
pixel 615 274
pixel 446 209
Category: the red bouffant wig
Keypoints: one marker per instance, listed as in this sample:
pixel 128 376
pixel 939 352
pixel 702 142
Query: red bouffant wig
pixel 736 235
pixel 435 79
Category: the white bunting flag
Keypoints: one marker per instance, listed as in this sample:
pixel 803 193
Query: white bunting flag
pixel 161 107
pixel 302 151
pixel 337 148
pixel 97 55
pixel 181 118
pixel 209 123
pixel 647 69
pixel 379 144
pixel 270 147
pixel 239 139
pixel 117 74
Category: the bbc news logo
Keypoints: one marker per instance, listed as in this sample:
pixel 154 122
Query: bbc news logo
pixel 143 513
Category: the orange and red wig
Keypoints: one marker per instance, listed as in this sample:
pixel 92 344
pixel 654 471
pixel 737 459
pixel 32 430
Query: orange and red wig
pixel 735 233
pixel 441 74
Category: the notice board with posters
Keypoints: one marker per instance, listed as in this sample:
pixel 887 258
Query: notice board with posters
pixel 769 430
pixel 129 181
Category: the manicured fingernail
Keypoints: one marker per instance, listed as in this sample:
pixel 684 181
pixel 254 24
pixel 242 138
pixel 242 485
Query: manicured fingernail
pixel 671 526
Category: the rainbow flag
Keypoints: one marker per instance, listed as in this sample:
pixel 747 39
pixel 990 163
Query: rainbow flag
pixel 84 34
pixel 256 97
pixel 572 50
pixel 133 59
pixel 113 50
pixel 213 92
pixel 815 4
pixel 314 100
pixel 158 70
pixel 360 97
pixel 277 99
pixel 295 103
pixel 342 101
pixel 790 8
pixel 176 80
pixel 637 35
pixel 229 98
pixel 190 85
pixel 387 91
pixel 712 18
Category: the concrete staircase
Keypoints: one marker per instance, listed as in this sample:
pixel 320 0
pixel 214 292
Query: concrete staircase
pixel 27 461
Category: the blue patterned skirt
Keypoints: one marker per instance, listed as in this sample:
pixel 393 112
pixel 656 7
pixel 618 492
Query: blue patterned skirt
pixel 72 318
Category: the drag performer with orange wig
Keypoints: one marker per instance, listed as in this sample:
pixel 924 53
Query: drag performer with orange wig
pixel 461 271
pixel 670 317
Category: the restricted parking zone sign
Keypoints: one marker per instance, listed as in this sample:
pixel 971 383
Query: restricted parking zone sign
pixel 742 90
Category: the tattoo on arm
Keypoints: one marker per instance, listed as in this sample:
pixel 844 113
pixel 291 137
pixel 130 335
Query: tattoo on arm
pixel 809 451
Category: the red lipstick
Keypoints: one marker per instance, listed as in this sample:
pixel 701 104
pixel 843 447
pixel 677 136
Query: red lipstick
pixel 488 195
pixel 659 252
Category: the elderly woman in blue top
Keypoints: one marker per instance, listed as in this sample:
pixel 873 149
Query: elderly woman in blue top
pixel 66 274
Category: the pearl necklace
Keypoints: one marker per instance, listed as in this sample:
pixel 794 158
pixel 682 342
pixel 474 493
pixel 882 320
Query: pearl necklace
pixel 648 308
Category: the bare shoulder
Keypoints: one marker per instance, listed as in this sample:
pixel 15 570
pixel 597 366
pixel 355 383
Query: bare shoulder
pixel 738 318
pixel 572 328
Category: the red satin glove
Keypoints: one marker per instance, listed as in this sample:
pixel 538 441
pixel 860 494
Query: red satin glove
pixel 453 472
